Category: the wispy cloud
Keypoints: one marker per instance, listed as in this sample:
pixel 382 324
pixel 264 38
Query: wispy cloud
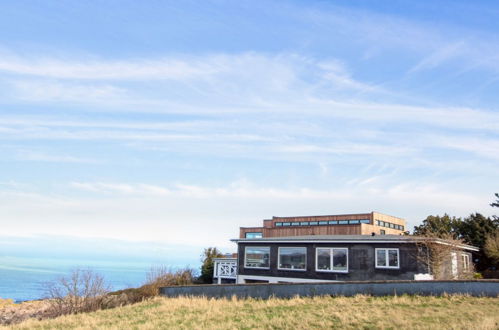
pixel 30 155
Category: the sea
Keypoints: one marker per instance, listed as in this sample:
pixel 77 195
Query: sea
pixel 23 278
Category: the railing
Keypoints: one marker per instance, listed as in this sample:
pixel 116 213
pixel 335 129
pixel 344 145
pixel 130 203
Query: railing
pixel 224 268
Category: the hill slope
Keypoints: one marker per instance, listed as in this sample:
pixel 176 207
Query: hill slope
pixel 457 312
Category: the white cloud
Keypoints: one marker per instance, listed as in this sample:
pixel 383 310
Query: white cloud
pixel 30 155
pixel 191 214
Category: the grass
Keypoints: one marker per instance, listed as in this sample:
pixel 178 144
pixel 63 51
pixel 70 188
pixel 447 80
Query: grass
pixel 359 312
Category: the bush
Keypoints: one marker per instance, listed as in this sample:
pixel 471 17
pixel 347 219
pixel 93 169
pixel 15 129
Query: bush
pixel 156 278
pixel 80 291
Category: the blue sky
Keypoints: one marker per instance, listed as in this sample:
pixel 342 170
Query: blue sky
pixel 174 123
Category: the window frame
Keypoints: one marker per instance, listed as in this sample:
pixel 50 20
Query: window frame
pixel 245 254
pixel 253 232
pixel 465 260
pixel 386 258
pixel 331 256
pixel 291 269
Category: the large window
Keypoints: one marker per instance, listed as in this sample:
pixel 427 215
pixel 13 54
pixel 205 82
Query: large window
pixel 332 260
pixel 387 258
pixel 292 258
pixel 257 257
pixel 254 235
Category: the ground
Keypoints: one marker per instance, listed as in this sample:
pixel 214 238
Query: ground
pixel 394 312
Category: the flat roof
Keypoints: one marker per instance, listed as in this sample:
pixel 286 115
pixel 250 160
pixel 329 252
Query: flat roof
pixel 348 239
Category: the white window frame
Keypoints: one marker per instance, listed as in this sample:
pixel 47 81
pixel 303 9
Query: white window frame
pixel 291 247
pixel 465 259
pixel 255 247
pixel 386 258
pixel 332 270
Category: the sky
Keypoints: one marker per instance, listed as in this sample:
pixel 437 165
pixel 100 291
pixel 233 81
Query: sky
pixel 167 125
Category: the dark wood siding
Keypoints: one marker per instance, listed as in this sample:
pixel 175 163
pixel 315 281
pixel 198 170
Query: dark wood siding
pixel 361 262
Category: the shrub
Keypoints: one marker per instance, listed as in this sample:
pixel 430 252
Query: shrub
pixel 156 278
pixel 80 291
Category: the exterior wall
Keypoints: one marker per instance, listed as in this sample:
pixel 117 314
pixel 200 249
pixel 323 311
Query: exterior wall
pixel 361 262
pixel 269 228
pixel 477 288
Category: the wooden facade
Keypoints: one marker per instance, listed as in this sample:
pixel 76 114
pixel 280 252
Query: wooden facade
pixel 371 224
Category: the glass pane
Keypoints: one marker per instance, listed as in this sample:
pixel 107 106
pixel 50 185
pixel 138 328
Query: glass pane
pixel 295 223
pixel 286 223
pixel 381 257
pixel 353 222
pixel 365 221
pixel 304 223
pixel 333 222
pixel 292 258
pixel 393 258
pixel 278 224
pixel 313 223
pixel 254 235
pixel 324 259
pixel 257 257
pixel 343 222
pixel 322 223
pixel 339 259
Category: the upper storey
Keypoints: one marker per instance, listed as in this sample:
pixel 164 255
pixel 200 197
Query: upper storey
pixel 341 224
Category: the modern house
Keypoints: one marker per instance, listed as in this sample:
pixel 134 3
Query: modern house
pixel 344 224
pixel 320 258
pixel 349 247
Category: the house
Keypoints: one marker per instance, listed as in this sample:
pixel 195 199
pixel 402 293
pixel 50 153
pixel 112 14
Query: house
pixel 343 224
pixel 347 247
pixel 327 258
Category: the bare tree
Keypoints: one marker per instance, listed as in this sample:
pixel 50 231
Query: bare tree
pixel 492 246
pixel 80 291
pixel 442 257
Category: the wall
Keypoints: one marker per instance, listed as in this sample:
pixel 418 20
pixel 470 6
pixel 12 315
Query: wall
pixel 361 265
pixel 474 288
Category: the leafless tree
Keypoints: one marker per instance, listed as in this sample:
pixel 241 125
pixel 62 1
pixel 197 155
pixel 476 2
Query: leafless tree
pixel 437 253
pixel 80 291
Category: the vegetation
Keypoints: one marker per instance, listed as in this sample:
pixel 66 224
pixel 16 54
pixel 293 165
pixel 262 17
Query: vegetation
pixel 207 267
pixel 155 279
pixel 472 230
pixel 492 246
pixel 80 291
pixel 436 257
pixel 393 312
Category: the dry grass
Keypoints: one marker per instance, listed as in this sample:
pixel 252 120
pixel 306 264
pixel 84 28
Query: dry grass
pixel 360 312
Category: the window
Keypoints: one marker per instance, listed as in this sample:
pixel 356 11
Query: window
pixel 331 260
pixel 254 235
pixel 278 224
pixel 353 222
pixel 305 223
pixel 382 232
pixel 365 221
pixel 314 223
pixel 343 222
pixel 322 223
pixel 285 224
pixel 292 258
pixel 387 258
pixel 295 223
pixel 466 262
pixel 378 223
pixel 333 222
pixel 257 257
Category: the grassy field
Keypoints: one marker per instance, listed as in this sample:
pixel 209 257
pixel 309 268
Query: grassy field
pixel 364 312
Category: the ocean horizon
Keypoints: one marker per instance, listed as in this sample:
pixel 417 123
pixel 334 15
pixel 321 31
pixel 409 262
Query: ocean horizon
pixel 25 278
